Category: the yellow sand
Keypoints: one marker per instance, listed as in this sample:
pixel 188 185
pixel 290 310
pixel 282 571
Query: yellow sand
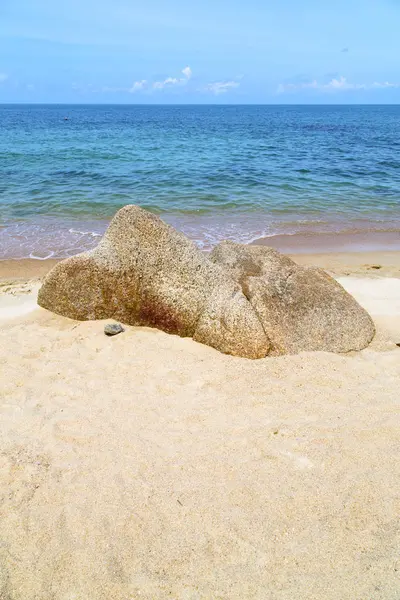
pixel 147 466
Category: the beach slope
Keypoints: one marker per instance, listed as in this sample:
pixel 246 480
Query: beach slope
pixel 150 466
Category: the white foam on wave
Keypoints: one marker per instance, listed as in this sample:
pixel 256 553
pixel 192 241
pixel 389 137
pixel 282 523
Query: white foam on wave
pixel 91 233
pixel 211 239
pixel 47 238
pixel 34 257
pixel 55 238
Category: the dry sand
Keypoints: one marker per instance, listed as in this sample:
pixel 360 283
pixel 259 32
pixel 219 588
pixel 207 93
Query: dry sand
pixel 335 242
pixel 147 466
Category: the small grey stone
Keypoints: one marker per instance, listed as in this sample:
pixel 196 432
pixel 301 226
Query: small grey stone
pixel 113 329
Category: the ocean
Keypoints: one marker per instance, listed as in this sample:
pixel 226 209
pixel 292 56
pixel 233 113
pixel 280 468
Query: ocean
pixel 214 172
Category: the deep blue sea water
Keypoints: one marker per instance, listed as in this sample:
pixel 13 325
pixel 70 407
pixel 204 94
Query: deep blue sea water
pixel 215 172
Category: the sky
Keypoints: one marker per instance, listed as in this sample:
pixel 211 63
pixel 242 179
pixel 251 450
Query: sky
pixel 208 51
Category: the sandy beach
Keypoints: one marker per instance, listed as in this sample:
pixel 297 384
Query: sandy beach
pixel 150 466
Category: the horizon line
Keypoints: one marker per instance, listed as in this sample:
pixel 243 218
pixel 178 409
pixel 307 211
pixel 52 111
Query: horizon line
pixel 197 104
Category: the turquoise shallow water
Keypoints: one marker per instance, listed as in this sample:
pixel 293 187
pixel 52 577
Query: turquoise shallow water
pixel 215 172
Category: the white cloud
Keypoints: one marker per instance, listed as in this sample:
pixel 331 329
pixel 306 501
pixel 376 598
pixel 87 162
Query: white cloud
pixel 137 86
pixel 171 81
pixel 334 85
pixel 158 85
pixel 385 84
pixel 187 71
pixel 221 87
pixel 342 84
pixel 30 87
pixel 143 84
pixel 3 77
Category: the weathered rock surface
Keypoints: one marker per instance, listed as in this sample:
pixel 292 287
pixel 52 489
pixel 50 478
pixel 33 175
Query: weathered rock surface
pixel 144 272
pixel 248 301
pixel 300 308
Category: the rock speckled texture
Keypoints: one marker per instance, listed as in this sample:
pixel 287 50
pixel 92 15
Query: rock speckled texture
pixel 247 301
pixel 144 272
pixel 300 308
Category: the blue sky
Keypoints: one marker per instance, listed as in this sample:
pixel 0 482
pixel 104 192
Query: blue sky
pixel 208 51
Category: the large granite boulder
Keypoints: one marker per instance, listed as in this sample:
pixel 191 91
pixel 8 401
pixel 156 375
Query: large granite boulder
pixel 144 272
pixel 300 308
pixel 247 301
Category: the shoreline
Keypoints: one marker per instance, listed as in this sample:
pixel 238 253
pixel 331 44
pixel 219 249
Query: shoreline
pixel 333 242
pixel 385 243
pixel 49 238
pixel 362 263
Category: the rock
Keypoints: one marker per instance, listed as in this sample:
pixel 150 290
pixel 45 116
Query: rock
pixel 113 329
pixel 144 272
pixel 247 301
pixel 300 308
